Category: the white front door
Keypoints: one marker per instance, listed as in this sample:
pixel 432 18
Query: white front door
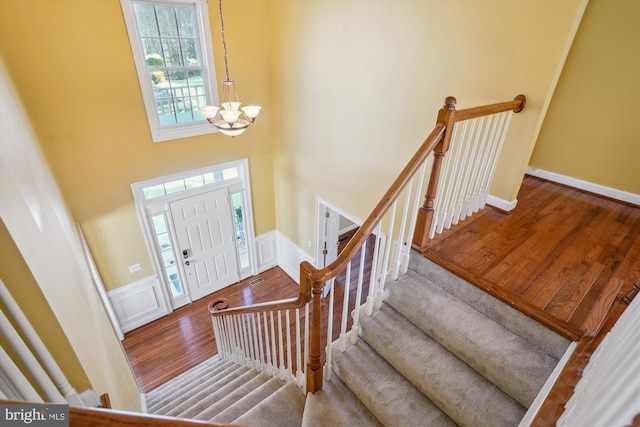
pixel 206 242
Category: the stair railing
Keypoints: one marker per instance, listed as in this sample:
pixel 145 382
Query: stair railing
pixel 354 284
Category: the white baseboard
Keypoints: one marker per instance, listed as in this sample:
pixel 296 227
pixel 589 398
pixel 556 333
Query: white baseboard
pixel 290 256
pixel 267 250
pixel 138 303
pixel 144 408
pixel 502 204
pixel 602 190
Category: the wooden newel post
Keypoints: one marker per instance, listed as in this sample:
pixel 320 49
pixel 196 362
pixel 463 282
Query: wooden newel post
pixel 314 368
pixel 425 214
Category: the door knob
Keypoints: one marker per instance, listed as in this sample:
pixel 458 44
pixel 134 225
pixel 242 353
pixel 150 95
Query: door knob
pixel 186 263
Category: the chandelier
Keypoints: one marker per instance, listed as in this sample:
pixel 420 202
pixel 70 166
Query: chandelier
pixel 231 119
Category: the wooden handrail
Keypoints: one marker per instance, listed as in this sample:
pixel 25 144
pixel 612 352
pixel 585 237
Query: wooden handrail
pixel 313 280
pixel 516 106
pixel 96 417
pixel 99 417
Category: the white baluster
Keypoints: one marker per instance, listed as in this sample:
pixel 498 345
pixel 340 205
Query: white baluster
pixel 289 360
pixel 374 270
pixel 469 167
pixel 263 360
pixel 402 240
pixel 342 341
pixel 237 346
pixel 256 349
pixel 476 178
pixel 306 336
pixel 414 216
pixel 273 346
pixel 267 344
pixel 496 154
pixel 299 376
pixel 387 253
pixel 493 146
pixel 217 336
pixel 327 370
pixel 356 312
pixel 452 189
pixel 17 379
pixel 246 340
pixel 439 205
pixel 283 371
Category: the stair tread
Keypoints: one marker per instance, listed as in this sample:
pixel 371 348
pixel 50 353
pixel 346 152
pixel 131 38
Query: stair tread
pixel 336 406
pixel 281 409
pixel 190 404
pixel 208 365
pixel 245 403
pixel 456 388
pixel 533 331
pixel 508 360
pixel 392 399
pixel 176 391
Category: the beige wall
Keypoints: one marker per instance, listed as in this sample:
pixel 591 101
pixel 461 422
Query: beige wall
pixel 357 84
pixel 72 65
pixel 35 214
pixel 592 130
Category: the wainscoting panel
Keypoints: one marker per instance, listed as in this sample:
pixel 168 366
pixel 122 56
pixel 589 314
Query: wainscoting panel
pixel 139 303
pixel 290 256
pixel 267 250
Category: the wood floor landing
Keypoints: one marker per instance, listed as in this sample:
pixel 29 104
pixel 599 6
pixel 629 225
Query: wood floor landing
pixel 563 252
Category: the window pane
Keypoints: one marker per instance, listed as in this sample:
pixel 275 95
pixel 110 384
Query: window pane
pixel 190 53
pixel 175 186
pixel 194 181
pixel 167 257
pixel 238 219
pixel 146 18
pixel 166 21
pixel 186 27
pixel 159 224
pixel 174 281
pixel 153 192
pixel 152 52
pixel 230 173
pixel 172 53
pixel 208 178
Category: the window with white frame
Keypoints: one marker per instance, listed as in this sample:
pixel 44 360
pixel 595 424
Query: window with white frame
pixel 171 45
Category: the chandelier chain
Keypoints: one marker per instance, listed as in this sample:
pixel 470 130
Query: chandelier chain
pixel 224 43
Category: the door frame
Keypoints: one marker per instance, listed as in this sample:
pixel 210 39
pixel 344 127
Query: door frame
pixel 146 208
pixel 322 208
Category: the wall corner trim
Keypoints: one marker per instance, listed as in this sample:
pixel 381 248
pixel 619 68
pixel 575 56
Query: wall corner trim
pixel 502 204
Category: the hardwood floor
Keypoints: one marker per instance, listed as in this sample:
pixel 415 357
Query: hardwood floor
pixel 563 253
pixel 173 344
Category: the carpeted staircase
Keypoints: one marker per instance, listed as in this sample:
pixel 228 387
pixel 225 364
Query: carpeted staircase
pixel 439 352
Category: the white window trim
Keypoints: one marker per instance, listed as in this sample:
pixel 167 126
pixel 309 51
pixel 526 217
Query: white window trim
pixel 181 130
